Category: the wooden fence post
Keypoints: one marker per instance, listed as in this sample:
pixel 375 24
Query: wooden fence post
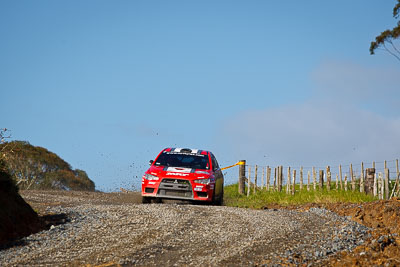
pixel 262 178
pixel 345 182
pixel 340 175
pixel 375 185
pixel 387 183
pixel 314 178
pixel 397 184
pixel 328 178
pixel 321 179
pixel 288 181
pixel 362 178
pixel 337 182
pixel 268 176
pixel 242 176
pixel 353 181
pixel 249 182
pixel 277 178
pixel 280 178
pixel 301 178
pixel 381 187
pixel 274 188
pixel 294 182
pixel 308 180
pixel 255 179
pixel 369 180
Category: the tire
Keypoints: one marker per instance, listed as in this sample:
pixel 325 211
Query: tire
pixel 146 200
pixel 220 199
pixel 213 200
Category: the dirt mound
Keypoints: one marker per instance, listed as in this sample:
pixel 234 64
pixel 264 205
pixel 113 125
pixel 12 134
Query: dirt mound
pixel 383 248
pixel 383 214
pixel 17 218
pixel 383 217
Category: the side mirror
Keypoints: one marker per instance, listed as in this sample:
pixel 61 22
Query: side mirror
pixel 151 162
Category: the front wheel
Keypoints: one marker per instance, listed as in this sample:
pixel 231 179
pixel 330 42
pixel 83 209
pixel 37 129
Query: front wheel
pixel 220 199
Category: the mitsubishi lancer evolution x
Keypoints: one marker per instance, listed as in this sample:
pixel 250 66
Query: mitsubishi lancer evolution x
pixel 185 174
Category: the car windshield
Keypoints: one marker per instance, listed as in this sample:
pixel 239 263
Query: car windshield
pixel 194 161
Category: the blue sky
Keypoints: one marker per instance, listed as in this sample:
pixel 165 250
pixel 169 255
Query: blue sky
pixel 107 84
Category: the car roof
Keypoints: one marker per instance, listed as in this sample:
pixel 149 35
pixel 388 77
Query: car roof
pixel 186 151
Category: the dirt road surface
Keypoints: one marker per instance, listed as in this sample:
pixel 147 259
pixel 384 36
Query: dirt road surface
pixel 115 229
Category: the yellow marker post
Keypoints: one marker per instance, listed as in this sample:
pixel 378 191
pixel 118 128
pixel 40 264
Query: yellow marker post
pixel 236 164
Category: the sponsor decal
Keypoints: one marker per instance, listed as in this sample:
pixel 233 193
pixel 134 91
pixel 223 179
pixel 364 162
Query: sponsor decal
pixel 177 169
pixel 198 188
pixel 152 182
pixel 182 153
pixel 178 150
pixel 177 174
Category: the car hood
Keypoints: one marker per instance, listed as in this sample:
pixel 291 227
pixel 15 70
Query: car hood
pixel 178 172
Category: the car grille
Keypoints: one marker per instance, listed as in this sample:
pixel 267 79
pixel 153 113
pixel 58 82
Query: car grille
pixel 175 188
pixel 175 181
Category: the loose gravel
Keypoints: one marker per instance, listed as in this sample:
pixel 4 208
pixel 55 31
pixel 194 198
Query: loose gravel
pixel 182 234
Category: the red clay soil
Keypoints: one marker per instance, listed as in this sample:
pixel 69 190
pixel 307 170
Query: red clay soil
pixel 383 217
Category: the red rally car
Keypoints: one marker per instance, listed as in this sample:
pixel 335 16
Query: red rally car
pixel 183 173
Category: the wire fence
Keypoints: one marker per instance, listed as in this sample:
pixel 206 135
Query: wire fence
pixel 382 178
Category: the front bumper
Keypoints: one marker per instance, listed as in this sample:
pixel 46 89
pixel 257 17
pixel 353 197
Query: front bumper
pixel 173 188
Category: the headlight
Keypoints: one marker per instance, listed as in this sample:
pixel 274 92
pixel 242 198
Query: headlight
pixel 151 177
pixel 202 181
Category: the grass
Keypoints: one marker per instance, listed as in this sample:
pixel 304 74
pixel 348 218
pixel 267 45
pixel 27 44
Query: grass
pixel 262 197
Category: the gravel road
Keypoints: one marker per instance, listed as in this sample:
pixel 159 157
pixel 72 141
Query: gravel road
pixel 114 228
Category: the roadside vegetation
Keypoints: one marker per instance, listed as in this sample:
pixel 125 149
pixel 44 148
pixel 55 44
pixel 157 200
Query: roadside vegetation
pixel 263 198
pixel 34 167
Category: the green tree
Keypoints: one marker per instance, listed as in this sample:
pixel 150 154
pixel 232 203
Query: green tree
pixel 385 39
